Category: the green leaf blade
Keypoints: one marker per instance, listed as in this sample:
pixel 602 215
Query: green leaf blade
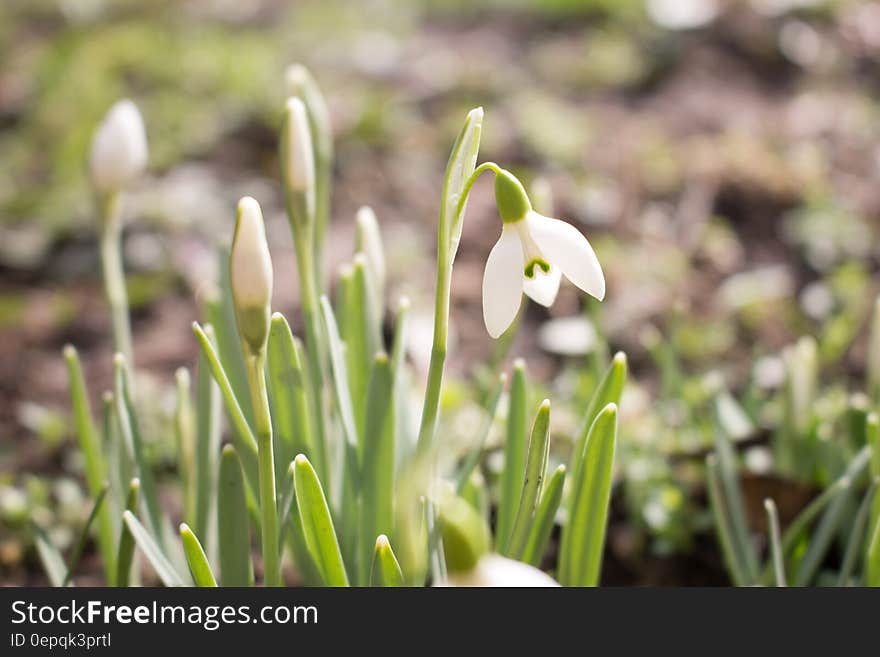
pixel 317 523
pixel 377 471
pixel 514 456
pixel 583 536
pixel 93 455
pixel 385 570
pixel 199 567
pixel 545 515
pixel 609 391
pixel 151 550
pixel 233 522
pixel 125 556
pixel 536 465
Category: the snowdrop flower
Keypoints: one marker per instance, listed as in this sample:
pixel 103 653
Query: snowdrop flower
pixel 250 271
pixel 119 148
pixel 531 256
pixel 495 570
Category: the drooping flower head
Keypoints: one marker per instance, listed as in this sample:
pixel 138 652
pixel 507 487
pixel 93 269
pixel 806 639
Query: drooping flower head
pixel 119 148
pixel 531 256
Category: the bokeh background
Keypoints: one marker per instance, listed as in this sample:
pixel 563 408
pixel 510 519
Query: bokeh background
pixel 723 156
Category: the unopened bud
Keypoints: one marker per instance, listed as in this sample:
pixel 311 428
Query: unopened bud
pixel 250 271
pixel 119 148
pixel 302 85
pixel 297 154
pixel 465 534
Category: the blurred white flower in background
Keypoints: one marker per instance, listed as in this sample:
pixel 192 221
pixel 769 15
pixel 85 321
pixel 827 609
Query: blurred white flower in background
pixel 682 14
pixel 119 148
pixel 495 570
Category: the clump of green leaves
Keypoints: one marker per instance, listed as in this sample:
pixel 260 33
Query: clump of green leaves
pixel 834 539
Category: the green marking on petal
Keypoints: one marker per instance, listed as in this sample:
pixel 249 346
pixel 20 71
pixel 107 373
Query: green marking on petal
pixel 536 262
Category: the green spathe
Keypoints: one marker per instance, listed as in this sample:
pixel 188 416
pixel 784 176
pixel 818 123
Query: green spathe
pixel 511 198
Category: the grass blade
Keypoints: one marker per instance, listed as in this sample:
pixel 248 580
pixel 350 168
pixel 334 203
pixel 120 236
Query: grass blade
pixel 872 437
pixel 207 449
pixel 242 435
pixel 53 562
pixel 349 449
pixel 733 499
pixel 545 516
pixel 857 535
pixel 775 542
pixel 536 466
pixel 404 437
pixel 340 374
pixel 436 551
pixel 132 436
pixel 220 313
pixel 184 431
pixel 385 570
pixel 825 531
pixel 196 558
pixel 73 562
pixel 233 523
pixel 126 539
pixel 514 456
pixel 608 391
pixel 317 523
pixel 120 470
pixel 93 455
pixel 288 494
pixel 360 331
pixel 166 572
pixel 289 397
pixel 377 470
pixel 872 561
pixel 583 536
pixel 288 516
pixel 723 523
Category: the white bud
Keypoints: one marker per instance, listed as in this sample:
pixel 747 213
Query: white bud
pixel 302 85
pixel 296 77
pixel 250 264
pixel 119 148
pixel 250 271
pixel 299 159
pixel 369 242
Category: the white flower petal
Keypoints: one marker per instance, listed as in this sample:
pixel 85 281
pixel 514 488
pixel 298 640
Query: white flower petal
pixel 502 283
pixel 495 570
pixel 543 287
pixel 563 245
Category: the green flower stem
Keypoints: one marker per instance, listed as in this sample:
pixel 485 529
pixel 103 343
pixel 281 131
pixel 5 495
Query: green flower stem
pixel 323 174
pixel 445 257
pixel 114 277
pixel 254 364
